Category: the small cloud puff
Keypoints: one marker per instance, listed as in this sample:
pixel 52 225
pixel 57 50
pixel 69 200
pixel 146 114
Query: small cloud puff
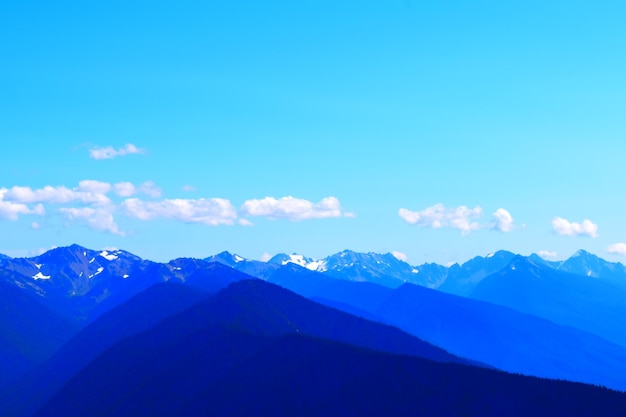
pixel 399 256
pixel 617 248
pixel 503 221
pixel 564 227
pixel 109 152
pixel 97 218
pixel 439 216
pixel 188 188
pixel 547 254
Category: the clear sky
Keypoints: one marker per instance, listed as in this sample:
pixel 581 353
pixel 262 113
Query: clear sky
pixel 440 130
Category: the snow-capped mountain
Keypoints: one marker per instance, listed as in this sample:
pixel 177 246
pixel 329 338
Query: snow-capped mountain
pixel 80 279
pixel 308 263
pixel 384 269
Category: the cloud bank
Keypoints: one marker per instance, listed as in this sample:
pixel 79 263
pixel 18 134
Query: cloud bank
pixel 95 204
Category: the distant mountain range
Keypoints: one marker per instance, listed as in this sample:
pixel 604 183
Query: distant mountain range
pixel 63 310
pixel 387 270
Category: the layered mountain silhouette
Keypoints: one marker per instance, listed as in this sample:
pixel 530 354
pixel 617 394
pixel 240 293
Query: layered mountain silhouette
pixel 591 304
pixel 257 349
pixel 490 333
pixel 65 310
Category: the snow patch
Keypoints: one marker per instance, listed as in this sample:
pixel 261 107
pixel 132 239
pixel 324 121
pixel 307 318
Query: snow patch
pixel 238 258
pixel 490 255
pixel 39 275
pixel 108 256
pixel 125 276
pixel 38 266
pixel 415 271
pixel 99 271
pixel 92 259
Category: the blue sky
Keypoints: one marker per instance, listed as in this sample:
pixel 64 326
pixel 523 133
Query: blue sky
pixel 188 128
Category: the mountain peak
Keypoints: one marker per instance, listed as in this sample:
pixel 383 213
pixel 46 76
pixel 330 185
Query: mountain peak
pixel 300 260
pixel 583 254
pixel 226 258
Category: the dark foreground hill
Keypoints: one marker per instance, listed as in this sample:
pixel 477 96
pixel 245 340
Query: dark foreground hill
pixel 257 349
pixel 29 331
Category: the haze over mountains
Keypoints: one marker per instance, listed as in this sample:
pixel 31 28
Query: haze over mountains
pixel 72 314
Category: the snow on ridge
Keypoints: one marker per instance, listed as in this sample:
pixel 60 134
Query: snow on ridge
pixel 490 255
pixel 108 256
pixel 39 275
pixel 238 258
pixel 313 265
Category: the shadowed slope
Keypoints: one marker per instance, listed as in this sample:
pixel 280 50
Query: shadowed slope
pixel 248 351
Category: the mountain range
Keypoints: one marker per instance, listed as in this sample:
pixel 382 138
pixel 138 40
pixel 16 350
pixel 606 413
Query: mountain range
pixel 66 310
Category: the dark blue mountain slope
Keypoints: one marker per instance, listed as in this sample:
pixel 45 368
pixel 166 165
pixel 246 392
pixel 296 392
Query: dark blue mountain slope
pixel 263 308
pixel 505 338
pixel 315 284
pixel 223 370
pixel 138 314
pixel 486 332
pixel 462 279
pixel 29 331
pixel 590 304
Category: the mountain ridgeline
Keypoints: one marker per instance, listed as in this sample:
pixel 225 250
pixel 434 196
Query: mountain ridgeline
pixel 106 333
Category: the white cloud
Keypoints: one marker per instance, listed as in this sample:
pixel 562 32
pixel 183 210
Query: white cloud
pixel 11 210
pixel 617 248
pixel 35 226
pixel 292 208
pixel 245 222
pixel 93 186
pixel 109 152
pixel 188 188
pixel 149 188
pixel 60 195
pixel 503 221
pixel 124 189
pixel 265 257
pixel 439 216
pixel 213 211
pixel 349 215
pixel 399 255
pixel 564 227
pixel 128 189
pixel 547 254
pixel 98 218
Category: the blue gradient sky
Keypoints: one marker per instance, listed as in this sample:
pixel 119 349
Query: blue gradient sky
pixel 382 105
